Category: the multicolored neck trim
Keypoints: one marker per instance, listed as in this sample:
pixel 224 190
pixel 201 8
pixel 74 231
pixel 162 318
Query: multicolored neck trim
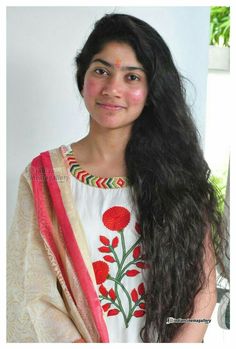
pixel 87 178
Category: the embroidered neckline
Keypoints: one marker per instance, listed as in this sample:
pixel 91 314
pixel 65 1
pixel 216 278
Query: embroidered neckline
pixel 87 178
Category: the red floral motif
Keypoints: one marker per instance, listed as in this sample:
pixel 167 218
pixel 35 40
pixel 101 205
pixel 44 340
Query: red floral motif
pixel 142 265
pixel 109 259
pixel 141 289
pixel 132 272
pixel 104 249
pixel 101 270
pixel 115 242
pixel 103 290
pixel 112 294
pixel 139 313
pixel 116 218
pixel 104 240
pixel 106 306
pixel 142 305
pixel 113 312
pixel 136 252
pixel 134 295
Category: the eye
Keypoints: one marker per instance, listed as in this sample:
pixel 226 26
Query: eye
pixel 134 77
pixel 100 71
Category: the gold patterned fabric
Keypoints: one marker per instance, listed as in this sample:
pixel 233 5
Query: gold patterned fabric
pixel 47 300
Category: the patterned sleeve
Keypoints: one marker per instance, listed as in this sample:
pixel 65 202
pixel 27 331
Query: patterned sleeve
pixel 35 309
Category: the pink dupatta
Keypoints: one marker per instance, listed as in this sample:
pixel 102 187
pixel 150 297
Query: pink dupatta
pixel 52 198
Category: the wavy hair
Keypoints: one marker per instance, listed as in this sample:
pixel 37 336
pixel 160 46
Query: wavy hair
pixel 169 178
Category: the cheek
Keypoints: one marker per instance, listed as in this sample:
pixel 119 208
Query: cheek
pixel 90 88
pixel 137 96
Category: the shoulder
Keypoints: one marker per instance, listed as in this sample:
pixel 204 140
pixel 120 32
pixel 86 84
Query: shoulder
pixel 44 158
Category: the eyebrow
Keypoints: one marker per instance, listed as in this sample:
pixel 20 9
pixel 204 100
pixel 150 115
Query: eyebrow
pixel 112 65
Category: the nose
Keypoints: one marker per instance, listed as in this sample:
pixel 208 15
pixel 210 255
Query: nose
pixel 113 87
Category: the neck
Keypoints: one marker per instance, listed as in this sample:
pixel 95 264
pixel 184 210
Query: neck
pixel 107 145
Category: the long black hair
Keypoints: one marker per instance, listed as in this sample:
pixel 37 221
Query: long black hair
pixel 168 176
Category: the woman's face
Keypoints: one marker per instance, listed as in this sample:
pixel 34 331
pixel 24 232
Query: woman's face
pixel 115 86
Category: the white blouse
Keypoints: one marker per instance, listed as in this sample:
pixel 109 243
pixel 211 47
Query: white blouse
pixel 113 236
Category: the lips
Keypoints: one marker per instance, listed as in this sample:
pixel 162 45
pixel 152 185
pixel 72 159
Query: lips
pixel 111 106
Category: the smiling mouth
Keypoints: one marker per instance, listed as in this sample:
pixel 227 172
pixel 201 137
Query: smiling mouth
pixel 110 106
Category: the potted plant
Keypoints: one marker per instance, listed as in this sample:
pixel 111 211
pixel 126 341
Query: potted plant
pixel 219 49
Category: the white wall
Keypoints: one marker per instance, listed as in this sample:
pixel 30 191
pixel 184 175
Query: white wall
pixel 218 114
pixel 44 109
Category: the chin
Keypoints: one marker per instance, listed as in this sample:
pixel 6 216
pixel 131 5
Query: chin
pixel 112 124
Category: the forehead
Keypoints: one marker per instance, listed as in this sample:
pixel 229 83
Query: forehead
pixel 118 52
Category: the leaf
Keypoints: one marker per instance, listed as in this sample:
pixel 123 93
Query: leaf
pixel 142 265
pixel 104 240
pixel 104 249
pixel 106 306
pixel 103 290
pixel 113 312
pixel 136 252
pixel 115 242
pixel 132 272
pixel 112 294
pixel 142 305
pixel 141 289
pixel 139 313
pixel 134 295
pixel 109 259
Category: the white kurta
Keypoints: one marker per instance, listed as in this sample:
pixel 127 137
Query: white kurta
pixel 113 238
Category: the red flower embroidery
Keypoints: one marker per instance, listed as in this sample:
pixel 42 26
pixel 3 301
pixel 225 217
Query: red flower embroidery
pixel 104 249
pixel 101 271
pixel 112 294
pixel 134 295
pixel 115 242
pixel 106 306
pixel 142 265
pixel 132 272
pixel 141 289
pixel 136 252
pixel 103 290
pixel 139 313
pixel 113 312
pixel 104 240
pixel 142 305
pixel 109 259
pixel 116 218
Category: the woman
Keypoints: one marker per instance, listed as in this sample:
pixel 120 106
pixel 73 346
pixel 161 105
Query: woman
pixel 120 231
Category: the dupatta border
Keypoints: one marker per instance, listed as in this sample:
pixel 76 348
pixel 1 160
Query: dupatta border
pixel 43 218
pixel 70 242
pixel 68 295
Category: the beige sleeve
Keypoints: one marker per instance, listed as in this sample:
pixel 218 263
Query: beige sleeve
pixel 35 309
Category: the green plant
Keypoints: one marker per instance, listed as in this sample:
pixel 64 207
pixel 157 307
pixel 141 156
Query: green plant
pixel 219 184
pixel 220 26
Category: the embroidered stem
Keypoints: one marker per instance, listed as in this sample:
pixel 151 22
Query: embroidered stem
pixel 122 274
pixel 111 301
pixel 122 240
pixel 134 306
pixel 133 247
pixel 118 298
pixel 115 255
pixel 128 252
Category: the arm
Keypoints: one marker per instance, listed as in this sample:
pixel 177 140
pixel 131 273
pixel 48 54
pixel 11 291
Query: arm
pixel 204 302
